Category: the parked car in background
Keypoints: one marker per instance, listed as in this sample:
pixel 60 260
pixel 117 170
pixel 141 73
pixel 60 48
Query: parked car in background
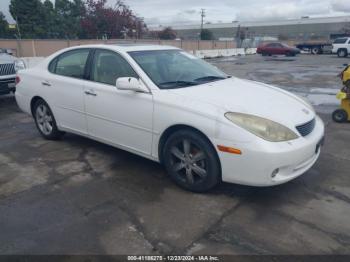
pixel 172 107
pixel 8 67
pixel 277 49
pixel 341 46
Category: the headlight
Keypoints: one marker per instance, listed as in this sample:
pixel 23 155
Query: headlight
pixel 19 65
pixel 261 127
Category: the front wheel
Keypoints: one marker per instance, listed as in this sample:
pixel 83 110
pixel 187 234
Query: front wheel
pixel 340 116
pixel 191 161
pixel 45 121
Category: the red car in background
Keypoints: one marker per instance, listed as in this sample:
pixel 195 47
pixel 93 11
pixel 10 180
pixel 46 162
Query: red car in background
pixel 277 49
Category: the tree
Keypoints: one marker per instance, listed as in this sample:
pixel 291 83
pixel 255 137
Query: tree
pixel 50 19
pixel 30 17
pixel 167 34
pixel 4 26
pixel 72 19
pixel 68 15
pixel 206 34
pixel 114 22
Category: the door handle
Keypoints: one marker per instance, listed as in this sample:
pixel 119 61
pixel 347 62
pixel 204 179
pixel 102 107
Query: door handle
pixel 90 93
pixel 45 83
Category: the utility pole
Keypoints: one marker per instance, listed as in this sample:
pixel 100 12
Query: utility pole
pixel 202 21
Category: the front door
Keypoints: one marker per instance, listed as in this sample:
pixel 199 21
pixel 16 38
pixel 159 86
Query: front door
pixel 122 118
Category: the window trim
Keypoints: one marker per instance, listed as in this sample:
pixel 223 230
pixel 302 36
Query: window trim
pixel 58 57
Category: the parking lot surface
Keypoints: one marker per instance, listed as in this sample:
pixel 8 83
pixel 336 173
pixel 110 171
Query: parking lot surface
pixel 77 196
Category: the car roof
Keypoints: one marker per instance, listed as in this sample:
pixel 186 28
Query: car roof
pixel 128 47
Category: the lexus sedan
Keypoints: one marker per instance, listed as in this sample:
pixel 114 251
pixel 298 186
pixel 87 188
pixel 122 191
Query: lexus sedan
pixel 167 105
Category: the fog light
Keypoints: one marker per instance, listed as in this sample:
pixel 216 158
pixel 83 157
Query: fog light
pixel 275 172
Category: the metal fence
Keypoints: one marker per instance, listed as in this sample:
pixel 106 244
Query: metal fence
pixel 39 48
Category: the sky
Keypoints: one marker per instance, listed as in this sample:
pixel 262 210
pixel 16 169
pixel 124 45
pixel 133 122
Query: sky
pixel 170 12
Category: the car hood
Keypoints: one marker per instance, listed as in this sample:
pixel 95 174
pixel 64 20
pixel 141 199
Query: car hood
pixel 6 59
pixel 249 97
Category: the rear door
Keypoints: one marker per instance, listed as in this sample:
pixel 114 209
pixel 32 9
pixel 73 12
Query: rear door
pixel 64 89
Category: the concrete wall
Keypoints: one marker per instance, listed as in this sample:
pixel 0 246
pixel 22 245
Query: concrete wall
pixel 34 48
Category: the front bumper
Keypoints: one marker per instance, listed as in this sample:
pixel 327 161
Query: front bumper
pixel 259 160
pixel 7 85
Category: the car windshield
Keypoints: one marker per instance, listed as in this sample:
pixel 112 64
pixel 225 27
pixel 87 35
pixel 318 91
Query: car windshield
pixel 175 68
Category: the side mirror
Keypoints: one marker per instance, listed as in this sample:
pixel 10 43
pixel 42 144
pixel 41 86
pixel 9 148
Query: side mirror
pixel 131 84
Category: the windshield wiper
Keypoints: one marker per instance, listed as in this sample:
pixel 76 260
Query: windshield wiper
pixel 175 84
pixel 210 78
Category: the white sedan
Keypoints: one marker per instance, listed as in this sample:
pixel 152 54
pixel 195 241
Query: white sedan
pixel 169 106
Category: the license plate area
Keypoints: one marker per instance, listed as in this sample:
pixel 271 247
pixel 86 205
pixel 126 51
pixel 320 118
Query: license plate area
pixel 11 85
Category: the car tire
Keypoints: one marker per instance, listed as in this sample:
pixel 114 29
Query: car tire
pixel 191 161
pixel 340 116
pixel 289 54
pixel 315 51
pixel 45 121
pixel 342 52
pixel 347 83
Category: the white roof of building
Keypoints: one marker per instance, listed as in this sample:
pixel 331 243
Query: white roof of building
pixel 301 21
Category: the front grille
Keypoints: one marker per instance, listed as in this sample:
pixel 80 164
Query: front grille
pixel 307 128
pixel 7 69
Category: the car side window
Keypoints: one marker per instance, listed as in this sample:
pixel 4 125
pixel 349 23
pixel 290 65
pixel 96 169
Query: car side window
pixel 70 64
pixel 340 41
pixel 108 66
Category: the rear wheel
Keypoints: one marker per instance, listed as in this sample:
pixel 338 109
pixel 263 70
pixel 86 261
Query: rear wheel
pixel 340 116
pixel 191 161
pixel 45 121
pixel 342 53
pixel 315 51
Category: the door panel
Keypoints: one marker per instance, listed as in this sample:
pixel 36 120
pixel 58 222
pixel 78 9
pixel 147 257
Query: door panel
pixel 65 88
pixel 122 118
pixel 67 99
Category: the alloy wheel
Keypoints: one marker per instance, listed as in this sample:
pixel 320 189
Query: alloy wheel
pixel 44 119
pixel 189 162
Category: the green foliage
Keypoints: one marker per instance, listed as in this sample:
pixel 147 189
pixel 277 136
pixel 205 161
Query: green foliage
pixel 71 19
pixel 207 35
pixel 29 15
pixel 68 16
pixel 167 34
pixel 4 27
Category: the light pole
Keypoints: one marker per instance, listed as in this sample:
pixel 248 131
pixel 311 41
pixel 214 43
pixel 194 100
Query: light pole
pixel 202 22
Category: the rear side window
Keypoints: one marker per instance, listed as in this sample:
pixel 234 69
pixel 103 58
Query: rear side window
pixel 340 41
pixel 108 66
pixel 71 64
